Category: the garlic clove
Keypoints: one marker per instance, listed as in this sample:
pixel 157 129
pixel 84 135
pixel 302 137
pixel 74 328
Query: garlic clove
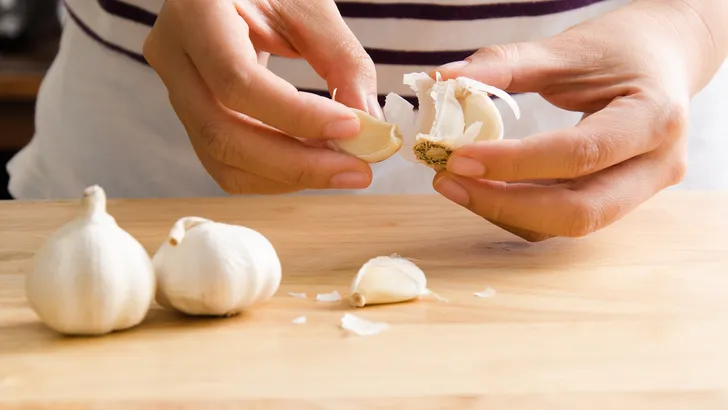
pixel 377 140
pixel 479 108
pixel 209 268
pixel 388 279
pixel 452 114
pixel 91 277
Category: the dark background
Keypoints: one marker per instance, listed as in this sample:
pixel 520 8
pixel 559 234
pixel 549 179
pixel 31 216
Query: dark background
pixel 27 48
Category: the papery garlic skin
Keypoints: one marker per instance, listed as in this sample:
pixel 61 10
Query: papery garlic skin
pixel 451 114
pixel 377 140
pixel 91 277
pixel 207 268
pixel 388 279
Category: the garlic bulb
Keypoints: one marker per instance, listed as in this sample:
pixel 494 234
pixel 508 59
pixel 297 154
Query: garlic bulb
pixel 91 277
pixel 215 269
pixel 377 140
pixel 451 114
pixel 388 279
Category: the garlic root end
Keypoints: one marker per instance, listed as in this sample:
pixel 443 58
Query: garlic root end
pixel 357 300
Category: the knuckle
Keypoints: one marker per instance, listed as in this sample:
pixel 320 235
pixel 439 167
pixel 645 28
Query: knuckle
pixel 150 51
pixel 670 119
pixel 677 171
pixel 218 142
pixel 499 52
pixel 586 156
pixel 234 87
pixel 585 219
pixel 232 183
pixel 301 175
pixel 675 120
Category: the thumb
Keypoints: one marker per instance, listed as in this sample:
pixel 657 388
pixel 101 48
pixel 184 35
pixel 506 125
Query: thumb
pixel 515 67
pixel 320 35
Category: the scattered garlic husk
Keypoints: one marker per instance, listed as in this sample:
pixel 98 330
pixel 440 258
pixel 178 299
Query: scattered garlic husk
pixel 362 327
pixel 377 140
pixel 299 320
pixel 334 296
pixel 91 277
pixel 208 268
pixel 487 293
pixel 451 114
pixel 297 295
pixel 388 279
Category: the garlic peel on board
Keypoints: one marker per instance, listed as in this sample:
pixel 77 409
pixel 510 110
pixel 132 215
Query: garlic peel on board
pixel 91 277
pixel 388 279
pixel 209 268
pixel 451 114
pixel 377 140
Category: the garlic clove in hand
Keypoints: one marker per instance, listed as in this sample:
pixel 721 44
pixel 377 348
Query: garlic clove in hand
pixel 377 140
pixel 91 277
pixel 388 279
pixel 451 114
pixel 208 268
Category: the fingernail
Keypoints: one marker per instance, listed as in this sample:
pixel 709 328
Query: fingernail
pixel 452 190
pixel 341 128
pixel 375 110
pixel 455 65
pixel 350 180
pixel 466 167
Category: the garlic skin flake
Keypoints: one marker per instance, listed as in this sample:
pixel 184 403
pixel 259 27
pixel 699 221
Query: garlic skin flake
pixel 207 268
pixel 452 114
pixel 388 279
pixel 377 140
pixel 334 296
pixel 362 327
pixel 91 277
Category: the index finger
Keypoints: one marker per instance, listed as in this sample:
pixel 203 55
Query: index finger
pixel 226 59
pixel 626 128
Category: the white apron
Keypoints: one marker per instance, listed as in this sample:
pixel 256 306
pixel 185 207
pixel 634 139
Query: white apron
pixel 103 118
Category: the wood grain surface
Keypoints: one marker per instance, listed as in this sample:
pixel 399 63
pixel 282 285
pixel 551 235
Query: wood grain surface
pixel 632 317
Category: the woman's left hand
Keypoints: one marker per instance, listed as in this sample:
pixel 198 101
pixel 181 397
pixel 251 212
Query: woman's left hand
pixel 633 72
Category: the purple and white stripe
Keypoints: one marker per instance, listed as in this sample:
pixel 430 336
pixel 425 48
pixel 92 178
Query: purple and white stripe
pixel 400 35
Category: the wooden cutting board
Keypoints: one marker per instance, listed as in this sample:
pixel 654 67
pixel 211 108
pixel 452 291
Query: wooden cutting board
pixel 632 317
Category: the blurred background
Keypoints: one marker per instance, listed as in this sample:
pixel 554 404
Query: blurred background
pixel 29 36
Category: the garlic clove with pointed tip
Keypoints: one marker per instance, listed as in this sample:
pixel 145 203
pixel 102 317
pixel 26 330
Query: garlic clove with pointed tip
pixel 377 140
pixel 91 277
pixel 209 268
pixel 388 279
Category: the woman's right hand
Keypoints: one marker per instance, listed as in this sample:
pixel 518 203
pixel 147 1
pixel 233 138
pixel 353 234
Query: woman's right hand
pixel 253 131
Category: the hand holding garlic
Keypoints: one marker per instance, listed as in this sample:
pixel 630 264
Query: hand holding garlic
pixel 629 146
pixel 90 277
pixel 252 130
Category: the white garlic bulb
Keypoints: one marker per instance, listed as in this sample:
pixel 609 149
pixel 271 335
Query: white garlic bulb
pixel 388 279
pixel 377 140
pixel 209 268
pixel 451 114
pixel 91 277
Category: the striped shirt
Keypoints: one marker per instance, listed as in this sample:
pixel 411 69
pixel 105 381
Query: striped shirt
pixel 103 114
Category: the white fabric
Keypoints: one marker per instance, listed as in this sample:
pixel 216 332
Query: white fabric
pixel 103 118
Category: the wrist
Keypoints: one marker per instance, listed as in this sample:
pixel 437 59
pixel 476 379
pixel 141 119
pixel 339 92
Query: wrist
pixel 700 29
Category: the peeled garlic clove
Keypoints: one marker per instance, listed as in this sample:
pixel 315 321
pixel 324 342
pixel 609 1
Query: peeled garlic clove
pixel 388 279
pixel 91 277
pixel 452 114
pixel 479 108
pixel 377 140
pixel 215 269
